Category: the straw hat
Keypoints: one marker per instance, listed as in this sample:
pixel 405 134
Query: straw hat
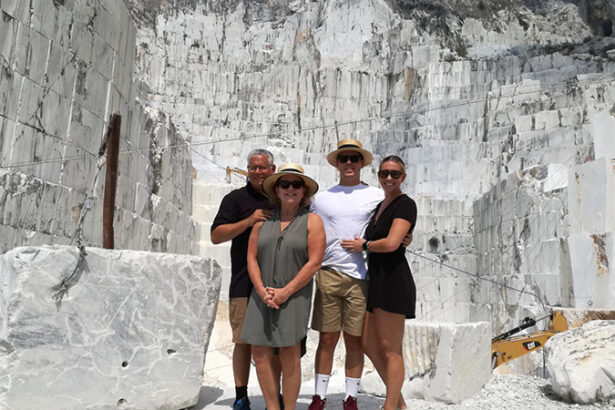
pixel 349 145
pixel 289 169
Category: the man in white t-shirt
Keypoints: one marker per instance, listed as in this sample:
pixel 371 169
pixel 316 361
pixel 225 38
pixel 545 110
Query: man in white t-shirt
pixel 341 291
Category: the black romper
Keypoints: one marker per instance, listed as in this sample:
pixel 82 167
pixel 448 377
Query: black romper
pixel 391 287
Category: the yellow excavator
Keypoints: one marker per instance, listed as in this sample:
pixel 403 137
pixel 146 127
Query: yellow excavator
pixel 507 347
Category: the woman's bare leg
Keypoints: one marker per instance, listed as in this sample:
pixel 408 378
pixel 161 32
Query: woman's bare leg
pixel 376 354
pixel 390 333
pixel 290 359
pixel 263 359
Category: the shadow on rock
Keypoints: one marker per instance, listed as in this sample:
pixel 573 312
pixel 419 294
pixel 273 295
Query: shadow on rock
pixel 207 395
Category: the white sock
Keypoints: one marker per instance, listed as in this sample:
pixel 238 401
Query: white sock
pixel 352 387
pixel 322 382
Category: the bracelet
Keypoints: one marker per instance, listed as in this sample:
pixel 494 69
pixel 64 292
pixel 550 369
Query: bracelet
pixel 366 246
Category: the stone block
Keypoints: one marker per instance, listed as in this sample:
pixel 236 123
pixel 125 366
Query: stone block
pixel 204 232
pixel 61 70
pixel 31 98
pixel 602 130
pixel 48 150
pixel 557 177
pixel 581 363
pixel 443 361
pixel 22 147
pixel 205 212
pixel 546 120
pixel 158 238
pixel 102 57
pixel 81 41
pixel 7 129
pixel 593 282
pixel 63 18
pixel 8 28
pixel 18 9
pixel 44 17
pixel 91 90
pixel 86 129
pixel 38 48
pixel 54 114
pixel 125 192
pixel 21 50
pixel 106 23
pixel 591 195
pixel 116 329
pixel 142 204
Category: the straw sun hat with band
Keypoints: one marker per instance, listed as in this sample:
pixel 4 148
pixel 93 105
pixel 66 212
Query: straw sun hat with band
pixel 349 145
pixel 289 169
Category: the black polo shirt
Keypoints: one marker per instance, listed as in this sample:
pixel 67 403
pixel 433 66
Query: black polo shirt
pixel 236 206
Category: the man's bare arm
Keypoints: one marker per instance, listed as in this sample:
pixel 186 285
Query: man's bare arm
pixel 226 232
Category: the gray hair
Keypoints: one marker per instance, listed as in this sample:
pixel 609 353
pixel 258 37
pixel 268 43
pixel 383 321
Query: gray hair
pixel 261 151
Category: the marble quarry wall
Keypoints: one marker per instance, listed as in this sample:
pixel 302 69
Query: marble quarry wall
pixel 65 67
pixel 490 104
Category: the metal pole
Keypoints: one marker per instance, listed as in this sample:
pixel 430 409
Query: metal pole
pixel 113 148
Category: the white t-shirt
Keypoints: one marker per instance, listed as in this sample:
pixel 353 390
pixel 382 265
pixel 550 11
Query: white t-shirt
pixel 345 212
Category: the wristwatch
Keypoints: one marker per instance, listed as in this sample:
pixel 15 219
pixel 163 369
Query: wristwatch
pixel 366 246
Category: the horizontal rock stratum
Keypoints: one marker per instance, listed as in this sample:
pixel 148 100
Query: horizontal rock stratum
pixel 111 329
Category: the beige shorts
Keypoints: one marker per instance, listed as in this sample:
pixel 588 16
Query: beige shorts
pixel 339 303
pixel 237 313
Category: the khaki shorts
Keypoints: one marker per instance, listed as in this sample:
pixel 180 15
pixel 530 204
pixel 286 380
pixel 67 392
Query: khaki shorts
pixel 339 303
pixel 237 313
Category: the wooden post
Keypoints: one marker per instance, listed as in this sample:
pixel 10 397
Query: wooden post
pixel 113 149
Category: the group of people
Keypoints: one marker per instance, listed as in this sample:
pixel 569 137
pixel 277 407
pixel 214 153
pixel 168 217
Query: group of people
pixel 352 239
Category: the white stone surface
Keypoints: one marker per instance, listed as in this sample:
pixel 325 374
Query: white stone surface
pixel 130 330
pixel 603 125
pixel 593 281
pixel 591 197
pixel 493 133
pixel 65 68
pixel 581 362
pixel 443 361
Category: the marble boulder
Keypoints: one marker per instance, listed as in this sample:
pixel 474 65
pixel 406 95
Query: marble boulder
pixel 111 329
pixel 581 362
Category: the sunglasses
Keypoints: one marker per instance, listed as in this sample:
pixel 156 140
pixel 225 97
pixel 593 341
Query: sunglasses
pixel 284 184
pixel 384 173
pixel 352 158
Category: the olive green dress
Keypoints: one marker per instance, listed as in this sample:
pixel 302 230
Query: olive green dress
pixel 280 257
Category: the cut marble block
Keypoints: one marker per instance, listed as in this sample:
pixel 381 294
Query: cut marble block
pixel 443 361
pixel 591 195
pixel 211 193
pixel 602 129
pixel 115 329
pixel 593 283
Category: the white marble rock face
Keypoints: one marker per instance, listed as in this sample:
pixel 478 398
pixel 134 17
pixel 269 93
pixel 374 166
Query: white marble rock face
pixel 131 330
pixel 591 195
pixel 593 281
pixel 444 362
pixel 581 362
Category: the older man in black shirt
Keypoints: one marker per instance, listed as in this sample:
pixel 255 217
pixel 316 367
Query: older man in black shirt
pixel 239 211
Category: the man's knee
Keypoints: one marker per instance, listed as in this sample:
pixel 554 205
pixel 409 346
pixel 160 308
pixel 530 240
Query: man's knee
pixel 353 344
pixel 328 340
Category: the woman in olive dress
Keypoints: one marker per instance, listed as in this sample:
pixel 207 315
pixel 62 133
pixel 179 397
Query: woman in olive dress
pixel 392 293
pixel 284 253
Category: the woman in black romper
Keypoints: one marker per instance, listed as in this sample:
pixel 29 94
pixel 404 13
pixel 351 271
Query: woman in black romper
pixel 392 294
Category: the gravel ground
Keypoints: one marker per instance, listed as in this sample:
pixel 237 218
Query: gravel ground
pixel 502 392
